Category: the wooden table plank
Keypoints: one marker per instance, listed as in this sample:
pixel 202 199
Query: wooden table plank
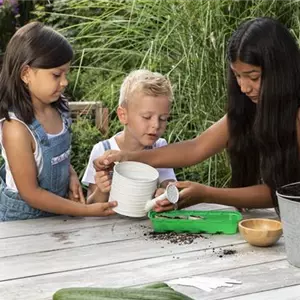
pixel 255 278
pixel 54 224
pixel 286 293
pixel 55 240
pixel 138 272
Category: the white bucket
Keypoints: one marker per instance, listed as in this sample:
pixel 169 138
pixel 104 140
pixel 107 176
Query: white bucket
pixel 289 207
pixel 133 184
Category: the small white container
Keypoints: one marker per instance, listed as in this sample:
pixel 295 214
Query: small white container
pixel 133 184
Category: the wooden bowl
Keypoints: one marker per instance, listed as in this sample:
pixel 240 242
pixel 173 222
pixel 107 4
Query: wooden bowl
pixel 260 232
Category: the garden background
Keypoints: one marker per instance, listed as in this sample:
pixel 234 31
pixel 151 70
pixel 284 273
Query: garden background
pixel 184 39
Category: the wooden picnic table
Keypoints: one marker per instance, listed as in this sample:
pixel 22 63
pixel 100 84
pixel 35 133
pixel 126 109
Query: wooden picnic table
pixel 38 257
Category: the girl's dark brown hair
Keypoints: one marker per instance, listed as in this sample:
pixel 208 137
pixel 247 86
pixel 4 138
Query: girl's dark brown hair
pixel 37 46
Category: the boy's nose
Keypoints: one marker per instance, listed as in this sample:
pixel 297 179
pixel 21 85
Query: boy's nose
pixel 64 82
pixel 155 123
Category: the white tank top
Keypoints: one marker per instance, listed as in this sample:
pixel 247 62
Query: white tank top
pixel 37 153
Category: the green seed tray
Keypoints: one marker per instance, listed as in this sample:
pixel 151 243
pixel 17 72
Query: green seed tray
pixel 194 221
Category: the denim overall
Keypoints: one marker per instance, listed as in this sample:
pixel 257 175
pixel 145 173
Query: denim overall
pixel 54 176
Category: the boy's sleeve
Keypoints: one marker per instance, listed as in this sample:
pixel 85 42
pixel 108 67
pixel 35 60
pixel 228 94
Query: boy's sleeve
pixel 89 174
pixel 165 173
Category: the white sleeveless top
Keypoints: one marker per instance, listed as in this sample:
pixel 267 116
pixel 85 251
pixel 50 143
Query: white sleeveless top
pixel 37 153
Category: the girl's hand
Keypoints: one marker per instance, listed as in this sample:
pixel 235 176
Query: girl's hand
pixel 191 193
pixel 75 189
pixel 103 181
pixel 102 209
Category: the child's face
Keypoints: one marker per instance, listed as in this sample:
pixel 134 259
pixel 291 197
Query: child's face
pixel 248 78
pixel 146 117
pixel 46 85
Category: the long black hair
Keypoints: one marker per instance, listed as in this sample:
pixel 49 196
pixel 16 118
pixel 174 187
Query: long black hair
pixel 263 137
pixel 37 46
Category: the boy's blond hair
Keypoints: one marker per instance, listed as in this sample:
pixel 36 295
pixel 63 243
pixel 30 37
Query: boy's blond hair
pixel 147 82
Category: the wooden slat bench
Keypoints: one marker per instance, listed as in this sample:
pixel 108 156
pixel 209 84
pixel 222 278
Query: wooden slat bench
pixel 93 108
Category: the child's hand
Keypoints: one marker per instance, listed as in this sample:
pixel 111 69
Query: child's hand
pixel 159 192
pixel 107 160
pixel 102 209
pixel 75 189
pixel 162 205
pixel 191 193
pixel 103 181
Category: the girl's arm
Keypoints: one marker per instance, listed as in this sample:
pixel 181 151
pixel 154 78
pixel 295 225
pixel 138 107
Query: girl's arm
pixel 181 154
pixel 19 147
pixel 257 196
pixel 192 193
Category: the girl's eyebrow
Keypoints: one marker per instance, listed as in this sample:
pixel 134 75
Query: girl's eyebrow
pixel 247 72
pixel 252 71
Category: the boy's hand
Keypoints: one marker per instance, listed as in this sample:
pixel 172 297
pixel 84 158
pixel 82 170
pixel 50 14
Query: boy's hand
pixel 162 205
pixel 107 160
pixel 103 181
pixel 159 192
pixel 75 189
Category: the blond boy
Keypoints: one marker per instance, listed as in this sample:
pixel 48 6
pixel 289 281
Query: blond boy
pixel 144 107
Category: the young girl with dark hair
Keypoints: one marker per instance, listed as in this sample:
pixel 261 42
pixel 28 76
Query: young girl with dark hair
pixel 37 179
pixel 261 129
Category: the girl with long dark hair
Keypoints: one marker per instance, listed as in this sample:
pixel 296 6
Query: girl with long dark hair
pixel 261 129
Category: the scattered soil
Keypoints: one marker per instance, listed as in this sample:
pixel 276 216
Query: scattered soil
pixel 61 236
pixel 229 252
pixel 226 252
pixel 174 238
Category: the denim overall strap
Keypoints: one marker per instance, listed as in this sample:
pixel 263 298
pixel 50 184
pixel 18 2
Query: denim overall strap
pixel 56 158
pixel 106 145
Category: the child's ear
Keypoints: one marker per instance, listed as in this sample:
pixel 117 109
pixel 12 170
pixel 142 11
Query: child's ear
pixel 122 115
pixel 25 74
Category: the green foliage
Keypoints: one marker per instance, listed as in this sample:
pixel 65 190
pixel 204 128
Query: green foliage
pixel 85 136
pixel 184 39
pixel 7 23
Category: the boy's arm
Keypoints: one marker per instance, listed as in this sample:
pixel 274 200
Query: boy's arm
pixel 165 183
pixel 166 175
pixel 75 189
pixel 88 178
pixel 95 195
